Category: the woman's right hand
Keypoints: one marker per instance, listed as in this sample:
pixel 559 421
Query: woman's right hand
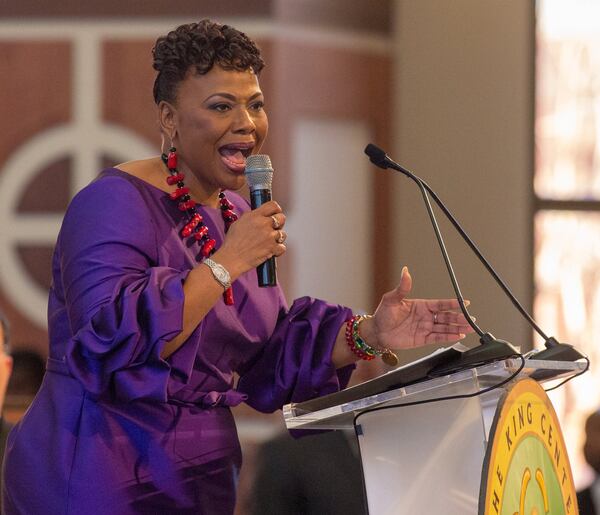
pixel 253 239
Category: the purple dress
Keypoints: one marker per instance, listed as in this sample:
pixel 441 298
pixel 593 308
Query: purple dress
pixel 115 429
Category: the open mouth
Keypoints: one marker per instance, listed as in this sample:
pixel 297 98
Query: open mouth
pixel 234 155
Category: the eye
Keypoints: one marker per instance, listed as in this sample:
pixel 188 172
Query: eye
pixel 220 107
pixel 258 105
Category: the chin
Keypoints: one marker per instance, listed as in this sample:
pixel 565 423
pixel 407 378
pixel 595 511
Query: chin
pixel 234 183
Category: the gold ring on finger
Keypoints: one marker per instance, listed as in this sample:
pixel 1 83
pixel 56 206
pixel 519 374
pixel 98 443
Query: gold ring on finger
pixel 280 237
pixel 276 224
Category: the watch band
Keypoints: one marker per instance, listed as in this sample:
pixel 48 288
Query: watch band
pixel 219 272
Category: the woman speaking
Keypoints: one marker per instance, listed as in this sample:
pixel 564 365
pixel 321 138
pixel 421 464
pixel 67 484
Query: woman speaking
pixel 154 307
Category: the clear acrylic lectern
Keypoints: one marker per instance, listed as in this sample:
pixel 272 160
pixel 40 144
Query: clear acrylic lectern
pixel 421 457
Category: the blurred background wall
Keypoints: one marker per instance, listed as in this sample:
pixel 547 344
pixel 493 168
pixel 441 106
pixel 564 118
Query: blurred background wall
pixel 448 88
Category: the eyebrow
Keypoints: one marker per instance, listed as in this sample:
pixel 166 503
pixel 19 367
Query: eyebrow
pixel 231 97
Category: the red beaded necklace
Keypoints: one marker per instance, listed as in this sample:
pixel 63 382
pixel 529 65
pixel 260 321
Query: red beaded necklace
pixel 195 226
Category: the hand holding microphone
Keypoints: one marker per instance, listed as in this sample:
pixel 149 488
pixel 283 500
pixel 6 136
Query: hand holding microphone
pixel 258 236
pixel 253 240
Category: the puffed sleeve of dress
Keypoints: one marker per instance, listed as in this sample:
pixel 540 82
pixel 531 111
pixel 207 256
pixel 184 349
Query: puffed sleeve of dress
pixel 121 305
pixel 295 365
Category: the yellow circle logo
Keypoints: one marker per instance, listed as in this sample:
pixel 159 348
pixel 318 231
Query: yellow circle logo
pixel 526 469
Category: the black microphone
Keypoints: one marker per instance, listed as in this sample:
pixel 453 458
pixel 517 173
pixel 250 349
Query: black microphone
pixel 259 176
pixel 554 349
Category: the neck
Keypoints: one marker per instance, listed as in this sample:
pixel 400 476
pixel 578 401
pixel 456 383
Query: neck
pixel 204 198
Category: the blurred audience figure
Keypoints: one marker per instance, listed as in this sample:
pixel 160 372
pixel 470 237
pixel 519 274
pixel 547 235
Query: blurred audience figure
pixel 313 475
pixel 6 364
pixel 28 371
pixel 589 498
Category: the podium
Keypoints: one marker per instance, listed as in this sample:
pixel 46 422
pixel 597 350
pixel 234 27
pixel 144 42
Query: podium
pixel 422 445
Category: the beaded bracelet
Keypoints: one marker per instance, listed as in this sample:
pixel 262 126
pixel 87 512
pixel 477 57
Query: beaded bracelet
pixel 361 348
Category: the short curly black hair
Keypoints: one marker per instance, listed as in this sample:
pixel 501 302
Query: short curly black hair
pixel 200 46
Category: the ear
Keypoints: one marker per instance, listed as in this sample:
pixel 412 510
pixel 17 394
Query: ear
pixel 167 117
pixel 6 364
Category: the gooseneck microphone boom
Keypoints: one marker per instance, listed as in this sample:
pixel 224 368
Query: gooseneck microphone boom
pixel 259 176
pixel 491 349
pixel 554 349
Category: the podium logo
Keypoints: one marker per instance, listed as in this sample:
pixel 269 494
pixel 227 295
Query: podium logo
pixel 526 469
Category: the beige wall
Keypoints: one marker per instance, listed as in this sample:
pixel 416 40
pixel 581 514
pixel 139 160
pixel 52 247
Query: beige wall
pixel 463 122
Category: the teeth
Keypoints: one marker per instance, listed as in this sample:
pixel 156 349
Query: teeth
pixel 241 147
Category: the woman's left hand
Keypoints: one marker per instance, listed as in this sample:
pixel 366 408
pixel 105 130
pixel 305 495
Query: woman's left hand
pixel 401 323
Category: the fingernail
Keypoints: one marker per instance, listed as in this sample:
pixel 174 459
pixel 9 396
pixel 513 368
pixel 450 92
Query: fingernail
pixel 404 270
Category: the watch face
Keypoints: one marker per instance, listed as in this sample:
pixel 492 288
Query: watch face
pixel 222 275
pixel 219 272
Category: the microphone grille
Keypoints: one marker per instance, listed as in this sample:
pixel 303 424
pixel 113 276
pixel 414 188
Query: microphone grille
pixel 259 172
pixel 258 161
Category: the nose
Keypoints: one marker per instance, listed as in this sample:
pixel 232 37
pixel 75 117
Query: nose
pixel 244 122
